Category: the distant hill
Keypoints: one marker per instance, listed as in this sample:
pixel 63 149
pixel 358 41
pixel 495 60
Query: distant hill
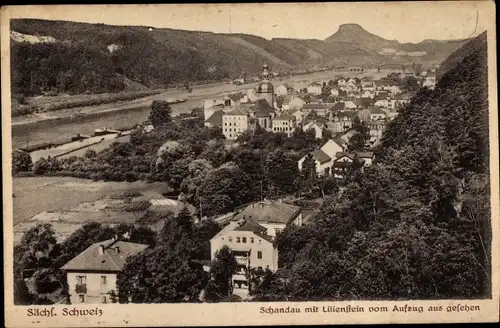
pixel 428 50
pixel 80 57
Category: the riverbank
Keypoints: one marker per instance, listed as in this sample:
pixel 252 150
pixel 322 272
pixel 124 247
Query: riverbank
pixel 63 124
pixel 43 104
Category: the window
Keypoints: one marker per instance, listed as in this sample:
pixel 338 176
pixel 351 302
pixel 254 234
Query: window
pixel 82 298
pixel 244 239
pixel 225 123
pixel 103 280
pixel 251 240
pixel 230 239
pixel 259 254
pixel 238 240
pixel 80 279
pixel 104 300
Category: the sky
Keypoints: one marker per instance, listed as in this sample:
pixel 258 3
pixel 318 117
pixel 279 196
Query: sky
pixel 405 22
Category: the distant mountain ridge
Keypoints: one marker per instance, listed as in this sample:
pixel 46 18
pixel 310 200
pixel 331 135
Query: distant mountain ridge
pixel 155 57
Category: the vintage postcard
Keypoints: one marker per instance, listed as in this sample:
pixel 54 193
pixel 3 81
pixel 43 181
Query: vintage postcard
pixel 250 164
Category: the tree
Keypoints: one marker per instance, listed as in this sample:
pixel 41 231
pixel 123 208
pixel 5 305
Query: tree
pixel 410 83
pixel 356 143
pixel 21 162
pixel 260 281
pixel 160 113
pixel 281 172
pixel 221 270
pixel 161 275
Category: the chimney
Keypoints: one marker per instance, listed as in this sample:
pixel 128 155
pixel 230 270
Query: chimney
pixel 101 249
pixel 117 249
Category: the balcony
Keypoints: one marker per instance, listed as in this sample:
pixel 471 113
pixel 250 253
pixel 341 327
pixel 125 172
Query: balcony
pixel 81 288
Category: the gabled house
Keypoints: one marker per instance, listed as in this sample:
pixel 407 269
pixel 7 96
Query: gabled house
pixel 341 121
pixel 316 127
pixel 324 156
pixel 91 275
pixel 251 235
pixel 376 114
pixel 343 162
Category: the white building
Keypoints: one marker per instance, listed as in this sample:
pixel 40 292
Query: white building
pixel 251 234
pixel 234 123
pixel 284 123
pixel 324 156
pixel 91 275
pixel 316 127
pixel 314 88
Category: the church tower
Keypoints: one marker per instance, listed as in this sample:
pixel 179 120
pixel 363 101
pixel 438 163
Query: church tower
pixel 265 89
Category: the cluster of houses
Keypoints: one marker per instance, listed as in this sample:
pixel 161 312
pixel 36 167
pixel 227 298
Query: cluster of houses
pixel 250 232
pixel 286 107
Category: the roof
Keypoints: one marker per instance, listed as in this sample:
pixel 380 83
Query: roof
pixel 284 117
pixel 263 108
pixel 248 225
pixel 215 118
pixel 236 96
pixel 339 141
pixel 365 154
pixel 113 259
pixel 347 113
pixel 317 106
pixel 376 110
pixel 320 156
pixel 341 154
pixel 339 106
pixel 269 212
pixel 235 112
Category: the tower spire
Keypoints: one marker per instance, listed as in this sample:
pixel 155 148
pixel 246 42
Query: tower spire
pixel 265 71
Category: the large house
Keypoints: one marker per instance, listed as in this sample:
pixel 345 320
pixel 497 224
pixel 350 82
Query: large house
pixel 91 275
pixel 251 236
pixel 324 156
pixel 234 123
pixel 341 121
pixel 284 123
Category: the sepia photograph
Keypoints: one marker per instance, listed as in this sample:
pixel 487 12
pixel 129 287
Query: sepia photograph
pixel 277 163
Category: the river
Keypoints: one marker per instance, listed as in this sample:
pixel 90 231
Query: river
pixel 29 130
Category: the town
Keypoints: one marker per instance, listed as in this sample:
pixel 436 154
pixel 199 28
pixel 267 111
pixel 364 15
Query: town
pixel 338 188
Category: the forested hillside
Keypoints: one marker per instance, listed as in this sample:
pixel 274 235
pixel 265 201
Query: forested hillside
pixel 416 224
pixel 76 57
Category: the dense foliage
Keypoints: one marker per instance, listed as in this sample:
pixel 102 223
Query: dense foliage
pixel 172 271
pixel 415 225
